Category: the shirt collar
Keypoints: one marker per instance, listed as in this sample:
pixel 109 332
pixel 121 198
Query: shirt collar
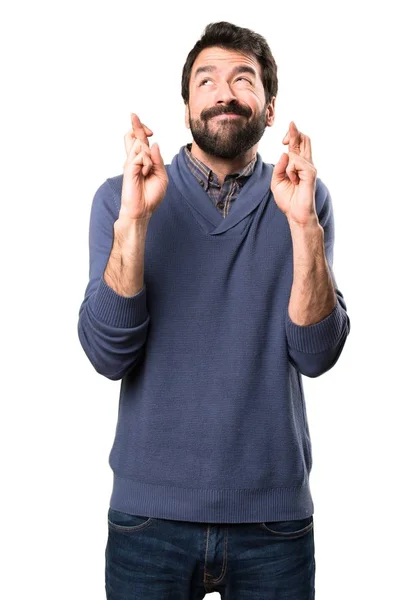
pixel 205 175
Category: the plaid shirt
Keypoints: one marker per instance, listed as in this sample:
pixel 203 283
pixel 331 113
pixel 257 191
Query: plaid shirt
pixel 223 195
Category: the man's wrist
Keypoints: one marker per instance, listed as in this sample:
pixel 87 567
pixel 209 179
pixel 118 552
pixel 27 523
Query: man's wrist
pixel 128 231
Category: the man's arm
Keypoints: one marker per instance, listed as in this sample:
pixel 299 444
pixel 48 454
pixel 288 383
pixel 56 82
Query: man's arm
pixel 317 324
pixel 113 318
pixel 124 272
pixel 313 296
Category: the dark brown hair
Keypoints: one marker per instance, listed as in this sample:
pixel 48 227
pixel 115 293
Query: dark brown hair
pixel 228 36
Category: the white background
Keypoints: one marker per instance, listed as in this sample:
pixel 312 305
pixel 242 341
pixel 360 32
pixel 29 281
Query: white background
pixel 72 73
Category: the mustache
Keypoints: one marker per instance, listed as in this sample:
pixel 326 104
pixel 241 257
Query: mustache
pixel 236 109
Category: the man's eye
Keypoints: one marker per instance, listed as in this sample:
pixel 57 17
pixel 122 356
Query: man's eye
pixel 203 81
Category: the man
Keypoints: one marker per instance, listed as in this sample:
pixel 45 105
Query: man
pixel 211 293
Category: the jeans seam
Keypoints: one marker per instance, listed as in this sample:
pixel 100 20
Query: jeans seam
pixel 287 534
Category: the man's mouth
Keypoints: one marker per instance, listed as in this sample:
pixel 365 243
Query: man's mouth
pixel 227 116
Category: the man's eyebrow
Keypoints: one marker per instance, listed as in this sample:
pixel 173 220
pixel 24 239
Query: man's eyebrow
pixel 235 71
pixel 244 69
pixel 205 69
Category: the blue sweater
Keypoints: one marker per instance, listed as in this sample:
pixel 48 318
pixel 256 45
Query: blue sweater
pixel 212 423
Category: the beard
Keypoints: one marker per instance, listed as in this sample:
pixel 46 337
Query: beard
pixel 230 137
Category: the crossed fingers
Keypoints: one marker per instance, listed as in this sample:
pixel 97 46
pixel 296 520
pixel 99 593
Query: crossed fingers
pixel 298 142
pixel 137 145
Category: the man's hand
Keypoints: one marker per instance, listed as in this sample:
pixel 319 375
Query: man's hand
pixel 145 178
pixel 294 179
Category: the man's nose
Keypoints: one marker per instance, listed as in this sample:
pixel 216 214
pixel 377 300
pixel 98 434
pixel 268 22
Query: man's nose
pixel 224 94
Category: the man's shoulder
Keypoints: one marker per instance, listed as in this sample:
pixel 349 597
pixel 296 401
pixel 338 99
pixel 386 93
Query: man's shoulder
pixel 116 183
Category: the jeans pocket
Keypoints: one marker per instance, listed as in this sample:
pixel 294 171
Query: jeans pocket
pixel 289 529
pixel 121 521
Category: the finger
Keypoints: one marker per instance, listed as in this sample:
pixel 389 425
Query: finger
pixel 139 129
pixel 128 141
pixel 145 160
pixel 302 165
pixel 299 143
pixel 130 136
pixel 306 149
pixel 139 146
pixel 295 138
pixel 279 173
pixel 147 168
pixel 290 134
pixel 147 130
pixel 158 163
pixel 132 143
pixel 291 172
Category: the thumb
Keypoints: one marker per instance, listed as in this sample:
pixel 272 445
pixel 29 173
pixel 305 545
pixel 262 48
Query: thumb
pixel 158 163
pixel 279 173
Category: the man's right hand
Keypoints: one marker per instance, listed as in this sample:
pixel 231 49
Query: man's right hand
pixel 145 178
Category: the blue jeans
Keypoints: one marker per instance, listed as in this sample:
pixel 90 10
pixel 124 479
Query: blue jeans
pixel 154 559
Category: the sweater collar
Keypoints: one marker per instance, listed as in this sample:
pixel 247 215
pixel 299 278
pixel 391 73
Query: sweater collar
pixel 257 189
pixel 205 175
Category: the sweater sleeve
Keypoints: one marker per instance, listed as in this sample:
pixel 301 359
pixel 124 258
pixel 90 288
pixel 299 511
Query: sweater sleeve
pixel 112 329
pixel 314 349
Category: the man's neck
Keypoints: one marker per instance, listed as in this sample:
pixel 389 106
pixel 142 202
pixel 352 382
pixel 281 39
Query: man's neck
pixel 223 166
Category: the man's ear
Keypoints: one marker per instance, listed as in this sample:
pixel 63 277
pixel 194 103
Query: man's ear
pixel 270 114
pixel 187 116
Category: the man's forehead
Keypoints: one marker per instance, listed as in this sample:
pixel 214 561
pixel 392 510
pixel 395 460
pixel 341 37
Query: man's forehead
pixel 223 58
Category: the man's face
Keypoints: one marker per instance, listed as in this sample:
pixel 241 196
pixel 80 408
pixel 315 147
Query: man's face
pixel 227 112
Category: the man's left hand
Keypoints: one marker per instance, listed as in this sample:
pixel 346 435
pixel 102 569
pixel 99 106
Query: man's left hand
pixel 294 179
